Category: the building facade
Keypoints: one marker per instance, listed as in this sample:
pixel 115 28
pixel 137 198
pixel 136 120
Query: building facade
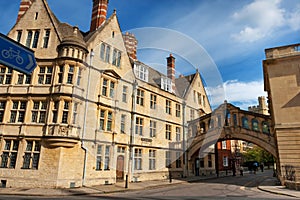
pixel 91 112
pixel 281 81
pixel 261 108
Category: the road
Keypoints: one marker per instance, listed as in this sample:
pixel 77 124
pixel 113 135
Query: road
pixel 228 188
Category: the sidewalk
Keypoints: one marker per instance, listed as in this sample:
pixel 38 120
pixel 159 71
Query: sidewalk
pixel 269 185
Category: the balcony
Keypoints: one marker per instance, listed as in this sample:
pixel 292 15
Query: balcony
pixel 61 135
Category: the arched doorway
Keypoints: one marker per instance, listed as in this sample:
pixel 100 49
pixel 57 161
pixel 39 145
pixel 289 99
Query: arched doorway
pixel 120 168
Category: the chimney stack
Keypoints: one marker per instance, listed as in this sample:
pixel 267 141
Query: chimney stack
pixel 171 70
pixel 131 45
pixel 24 6
pixel 98 14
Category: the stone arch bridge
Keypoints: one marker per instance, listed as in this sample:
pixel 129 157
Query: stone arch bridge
pixel 228 122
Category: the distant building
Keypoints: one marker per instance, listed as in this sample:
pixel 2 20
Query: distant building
pixel 261 108
pixel 91 112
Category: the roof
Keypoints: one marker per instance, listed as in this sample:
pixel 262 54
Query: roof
pixel 182 83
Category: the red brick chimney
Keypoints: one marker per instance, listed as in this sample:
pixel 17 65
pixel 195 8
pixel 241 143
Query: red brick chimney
pixel 131 45
pixel 171 70
pixel 171 67
pixel 24 6
pixel 98 14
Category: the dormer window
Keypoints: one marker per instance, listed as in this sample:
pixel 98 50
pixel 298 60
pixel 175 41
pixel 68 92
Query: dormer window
pixel 141 71
pixel 166 84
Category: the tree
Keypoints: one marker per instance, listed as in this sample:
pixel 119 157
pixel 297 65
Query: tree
pixel 258 154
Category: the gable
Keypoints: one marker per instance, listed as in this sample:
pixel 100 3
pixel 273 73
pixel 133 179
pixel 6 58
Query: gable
pixel 34 26
pixel 104 42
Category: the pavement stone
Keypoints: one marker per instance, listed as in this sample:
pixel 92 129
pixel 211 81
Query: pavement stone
pixel 269 185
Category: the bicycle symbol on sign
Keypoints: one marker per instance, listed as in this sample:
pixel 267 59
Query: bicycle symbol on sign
pixel 11 54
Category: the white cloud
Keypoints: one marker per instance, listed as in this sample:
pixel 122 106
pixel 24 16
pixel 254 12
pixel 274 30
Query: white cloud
pixel 259 19
pixel 293 19
pixel 241 94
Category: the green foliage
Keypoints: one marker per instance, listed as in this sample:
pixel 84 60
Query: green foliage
pixel 258 154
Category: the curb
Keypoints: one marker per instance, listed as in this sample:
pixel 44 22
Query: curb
pixel 277 193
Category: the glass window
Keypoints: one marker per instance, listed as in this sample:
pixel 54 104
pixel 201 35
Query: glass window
pixel 38 113
pixel 2 109
pixel 178 110
pixel 46 38
pixel 153 101
pixel 152 158
pixel 9 154
pixel 17 113
pixel 255 125
pixel 139 126
pixel 152 128
pixel 32 155
pixel 107 54
pixel 141 72
pixel 178 134
pixel 137 159
pixel 168 131
pixel 65 113
pixel 265 127
pixel 5 75
pixel 245 122
pixel 124 94
pixel 29 38
pixel 104 87
pixel 45 75
pixel 35 39
pixel 166 84
pixel 168 106
pixel 140 97
pixel 19 35
pixel 107 158
pixel 70 74
pixel 99 157
pixel 54 111
pixel 123 123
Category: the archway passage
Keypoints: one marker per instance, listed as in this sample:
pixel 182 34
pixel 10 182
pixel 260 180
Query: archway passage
pixel 229 122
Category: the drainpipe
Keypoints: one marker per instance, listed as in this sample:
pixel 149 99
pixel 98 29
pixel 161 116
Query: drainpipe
pixel 132 132
pixel 84 120
pixel 184 140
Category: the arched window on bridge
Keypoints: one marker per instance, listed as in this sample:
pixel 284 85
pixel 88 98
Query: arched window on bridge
pixel 265 127
pixel 245 123
pixel 202 127
pixel 227 118
pixel 255 125
pixel 234 120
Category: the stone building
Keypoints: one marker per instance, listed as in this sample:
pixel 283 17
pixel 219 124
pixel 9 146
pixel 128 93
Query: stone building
pixel 261 108
pixel 282 82
pixel 91 112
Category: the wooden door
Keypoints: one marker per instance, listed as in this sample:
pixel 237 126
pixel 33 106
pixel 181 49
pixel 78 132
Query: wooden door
pixel 120 168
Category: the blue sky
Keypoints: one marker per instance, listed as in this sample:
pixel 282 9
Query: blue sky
pixel 234 33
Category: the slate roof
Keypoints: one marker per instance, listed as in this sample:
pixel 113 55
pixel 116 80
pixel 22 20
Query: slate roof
pixel 182 83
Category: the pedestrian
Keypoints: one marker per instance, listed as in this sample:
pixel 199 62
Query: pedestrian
pixel 241 171
pixel 262 167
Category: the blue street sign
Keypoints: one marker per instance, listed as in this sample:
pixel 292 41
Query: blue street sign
pixel 16 56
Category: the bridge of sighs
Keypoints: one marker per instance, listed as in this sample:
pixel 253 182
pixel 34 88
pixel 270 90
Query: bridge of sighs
pixel 228 122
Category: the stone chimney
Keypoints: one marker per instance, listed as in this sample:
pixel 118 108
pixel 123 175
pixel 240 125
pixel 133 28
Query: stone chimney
pixel 24 6
pixel 131 45
pixel 98 14
pixel 171 70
